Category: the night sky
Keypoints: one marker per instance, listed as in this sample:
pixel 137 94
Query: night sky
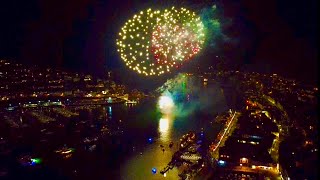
pixel 79 35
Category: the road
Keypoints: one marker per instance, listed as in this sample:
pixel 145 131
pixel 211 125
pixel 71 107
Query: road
pixel 225 132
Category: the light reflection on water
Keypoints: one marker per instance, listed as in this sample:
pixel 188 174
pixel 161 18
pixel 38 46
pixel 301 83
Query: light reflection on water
pixel 164 129
pixel 140 166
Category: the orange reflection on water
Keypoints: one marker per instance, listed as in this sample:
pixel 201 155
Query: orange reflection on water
pixel 164 129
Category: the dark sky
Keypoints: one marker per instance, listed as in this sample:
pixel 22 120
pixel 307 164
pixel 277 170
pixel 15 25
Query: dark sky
pixel 271 36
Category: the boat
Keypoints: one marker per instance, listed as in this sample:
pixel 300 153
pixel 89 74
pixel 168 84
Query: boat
pixel 171 144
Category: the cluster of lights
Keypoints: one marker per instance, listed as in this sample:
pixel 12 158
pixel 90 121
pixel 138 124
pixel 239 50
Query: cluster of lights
pixel 154 41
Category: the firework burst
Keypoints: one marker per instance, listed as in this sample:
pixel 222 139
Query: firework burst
pixel 153 42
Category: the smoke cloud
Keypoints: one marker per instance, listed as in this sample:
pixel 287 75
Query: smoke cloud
pixel 190 95
pixel 214 23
